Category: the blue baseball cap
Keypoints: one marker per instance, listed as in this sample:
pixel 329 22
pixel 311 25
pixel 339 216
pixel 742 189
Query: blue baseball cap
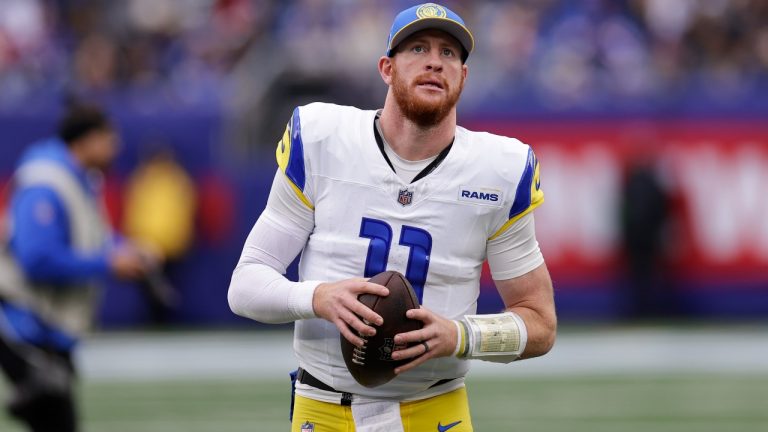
pixel 429 16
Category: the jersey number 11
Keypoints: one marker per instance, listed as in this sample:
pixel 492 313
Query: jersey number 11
pixel 417 239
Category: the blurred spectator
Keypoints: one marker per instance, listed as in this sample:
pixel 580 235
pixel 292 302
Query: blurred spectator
pixel 95 63
pixel 554 55
pixel 160 207
pixel 59 247
pixel 645 211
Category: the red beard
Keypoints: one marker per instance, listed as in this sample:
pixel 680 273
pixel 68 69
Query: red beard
pixel 424 113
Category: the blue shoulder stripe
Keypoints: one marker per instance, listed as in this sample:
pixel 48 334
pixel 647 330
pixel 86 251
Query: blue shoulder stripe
pixel 295 168
pixel 523 193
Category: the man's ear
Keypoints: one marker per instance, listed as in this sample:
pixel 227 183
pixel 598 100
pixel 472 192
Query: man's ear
pixel 385 69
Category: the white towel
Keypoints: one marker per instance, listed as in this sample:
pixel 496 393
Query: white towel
pixel 377 416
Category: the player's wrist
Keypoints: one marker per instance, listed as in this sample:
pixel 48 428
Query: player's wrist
pixel 301 299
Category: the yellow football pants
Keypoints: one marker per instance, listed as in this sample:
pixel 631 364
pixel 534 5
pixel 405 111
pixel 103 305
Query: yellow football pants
pixel 448 412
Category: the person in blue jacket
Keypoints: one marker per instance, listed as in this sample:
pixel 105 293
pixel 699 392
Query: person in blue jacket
pixel 58 247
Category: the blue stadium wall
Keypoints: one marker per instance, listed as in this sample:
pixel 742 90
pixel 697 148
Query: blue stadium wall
pixel 583 292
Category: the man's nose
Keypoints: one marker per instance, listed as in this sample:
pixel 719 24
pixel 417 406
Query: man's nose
pixel 434 62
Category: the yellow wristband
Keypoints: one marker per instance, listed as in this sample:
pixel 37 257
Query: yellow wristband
pixel 461 339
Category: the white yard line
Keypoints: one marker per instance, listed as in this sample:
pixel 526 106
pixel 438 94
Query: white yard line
pixel 266 354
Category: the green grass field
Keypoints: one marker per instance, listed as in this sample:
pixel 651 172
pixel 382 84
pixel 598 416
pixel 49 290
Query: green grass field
pixel 731 403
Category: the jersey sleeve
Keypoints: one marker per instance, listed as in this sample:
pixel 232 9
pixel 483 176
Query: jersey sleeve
pixel 41 243
pixel 291 161
pixel 528 194
pixel 515 251
pixel 258 289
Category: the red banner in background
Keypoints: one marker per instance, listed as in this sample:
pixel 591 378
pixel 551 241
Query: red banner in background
pixel 715 173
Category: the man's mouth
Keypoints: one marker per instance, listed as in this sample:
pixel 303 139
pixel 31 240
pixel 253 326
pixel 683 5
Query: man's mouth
pixel 433 84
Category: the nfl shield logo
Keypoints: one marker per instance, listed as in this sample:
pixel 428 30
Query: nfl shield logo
pixel 405 197
pixel 388 348
pixel 308 427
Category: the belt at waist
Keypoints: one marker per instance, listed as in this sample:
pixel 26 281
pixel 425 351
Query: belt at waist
pixel 307 378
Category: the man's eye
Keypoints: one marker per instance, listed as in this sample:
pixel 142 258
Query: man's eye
pixel 418 49
pixel 447 52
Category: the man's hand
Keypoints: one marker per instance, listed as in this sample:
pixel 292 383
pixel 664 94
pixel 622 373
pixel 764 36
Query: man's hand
pixel 337 302
pixel 127 262
pixel 438 333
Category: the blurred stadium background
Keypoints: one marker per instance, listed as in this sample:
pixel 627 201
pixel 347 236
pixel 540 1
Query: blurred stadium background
pixel 650 119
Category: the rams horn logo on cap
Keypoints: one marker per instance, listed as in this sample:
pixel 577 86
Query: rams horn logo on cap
pixel 429 16
pixel 431 10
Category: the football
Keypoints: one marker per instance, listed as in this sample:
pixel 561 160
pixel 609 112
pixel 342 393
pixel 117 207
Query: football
pixel 372 365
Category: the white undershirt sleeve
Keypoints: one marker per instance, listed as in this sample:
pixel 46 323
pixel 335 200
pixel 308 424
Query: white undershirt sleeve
pixel 516 251
pixel 258 289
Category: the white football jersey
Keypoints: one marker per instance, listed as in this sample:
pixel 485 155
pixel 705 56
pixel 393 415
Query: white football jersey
pixel 367 220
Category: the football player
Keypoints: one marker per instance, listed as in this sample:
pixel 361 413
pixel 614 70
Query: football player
pixel 401 188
